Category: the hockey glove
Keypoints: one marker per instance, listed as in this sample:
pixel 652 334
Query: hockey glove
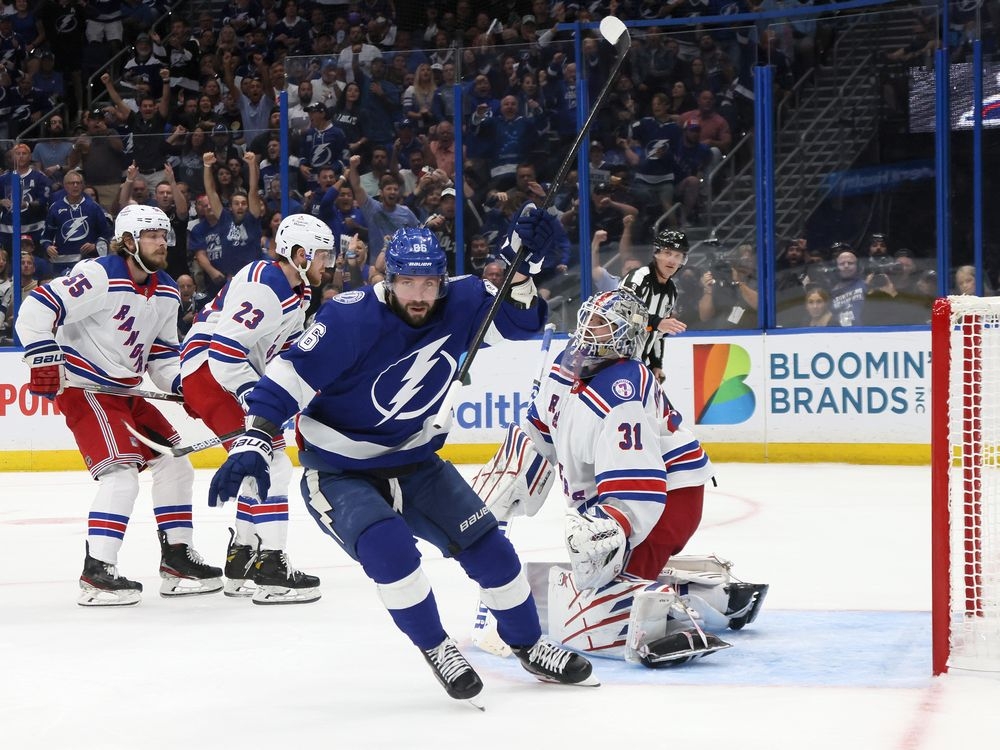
pixel 47 376
pixel 596 547
pixel 541 233
pixel 249 458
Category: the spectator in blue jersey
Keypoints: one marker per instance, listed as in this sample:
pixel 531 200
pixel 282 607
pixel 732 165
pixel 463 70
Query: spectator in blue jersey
pixel 373 480
pixel 75 227
pixel 239 226
pixel 658 138
pixel 205 247
pixel 382 103
pixel 36 191
pixel 480 105
pixel 407 143
pixel 512 138
pixel 27 103
pixel 385 215
pixel 560 95
pixel 323 145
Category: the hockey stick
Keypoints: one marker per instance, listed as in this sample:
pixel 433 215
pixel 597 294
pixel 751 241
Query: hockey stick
pixel 614 31
pixel 182 450
pixel 484 627
pixel 116 391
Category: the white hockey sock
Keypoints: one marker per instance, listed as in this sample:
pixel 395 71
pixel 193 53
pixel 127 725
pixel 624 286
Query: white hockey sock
pixel 173 483
pixel 117 489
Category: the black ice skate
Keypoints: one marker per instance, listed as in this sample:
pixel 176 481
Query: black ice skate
pixel 745 600
pixel 184 572
pixel 552 663
pixel 239 563
pixel 680 647
pixel 279 583
pixel 101 586
pixel 454 672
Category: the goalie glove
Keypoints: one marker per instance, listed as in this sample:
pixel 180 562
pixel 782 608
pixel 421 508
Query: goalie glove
pixel 596 547
pixel 48 378
pixel 249 459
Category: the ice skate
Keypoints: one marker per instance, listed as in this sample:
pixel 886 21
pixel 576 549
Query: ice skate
pixel 745 601
pixel 279 583
pixel 184 572
pixel 680 647
pixel 454 672
pixel 239 568
pixel 101 586
pixel 552 663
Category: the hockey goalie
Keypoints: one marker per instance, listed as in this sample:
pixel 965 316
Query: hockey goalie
pixel 634 481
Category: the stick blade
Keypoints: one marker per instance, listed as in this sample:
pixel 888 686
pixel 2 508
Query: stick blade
pixel 613 29
pixel 164 450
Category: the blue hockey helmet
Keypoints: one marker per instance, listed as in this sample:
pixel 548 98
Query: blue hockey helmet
pixel 415 251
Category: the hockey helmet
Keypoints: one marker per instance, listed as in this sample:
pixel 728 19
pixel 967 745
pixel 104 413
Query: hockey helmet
pixel 610 326
pixel 670 239
pixel 305 231
pixel 135 219
pixel 415 251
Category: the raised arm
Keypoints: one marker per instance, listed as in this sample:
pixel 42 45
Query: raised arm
pixel 354 175
pixel 208 160
pixel 253 187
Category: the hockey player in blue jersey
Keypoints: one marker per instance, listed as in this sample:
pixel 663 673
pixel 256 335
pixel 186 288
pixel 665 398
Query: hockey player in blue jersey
pixel 368 378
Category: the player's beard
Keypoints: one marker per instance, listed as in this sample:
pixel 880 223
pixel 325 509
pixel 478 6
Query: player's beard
pixel 415 320
pixel 149 261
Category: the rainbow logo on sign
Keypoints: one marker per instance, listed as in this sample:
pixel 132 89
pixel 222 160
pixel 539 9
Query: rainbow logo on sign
pixel 720 395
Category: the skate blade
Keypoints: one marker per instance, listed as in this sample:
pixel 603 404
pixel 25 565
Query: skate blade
pixel 280 595
pixel 239 587
pixel 591 681
pixel 677 658
pixel 172 586
pixel 476 703
pixel 93 597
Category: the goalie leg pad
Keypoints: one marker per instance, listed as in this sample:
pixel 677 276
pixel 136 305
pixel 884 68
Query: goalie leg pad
pixel 665 632
pixel 516 481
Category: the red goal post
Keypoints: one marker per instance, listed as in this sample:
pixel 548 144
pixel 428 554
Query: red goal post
pixel 965 483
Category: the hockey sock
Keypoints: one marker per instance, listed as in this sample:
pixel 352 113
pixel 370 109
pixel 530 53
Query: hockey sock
pixel 389 556
pixel 492 563
pixel 173 482
pixel 117 489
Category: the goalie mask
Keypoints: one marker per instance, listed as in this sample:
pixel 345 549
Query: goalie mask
pixel 610 326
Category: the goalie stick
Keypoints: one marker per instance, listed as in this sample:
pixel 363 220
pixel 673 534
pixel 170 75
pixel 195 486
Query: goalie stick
pixel 614 31
pixel 181 450
pixel 484 627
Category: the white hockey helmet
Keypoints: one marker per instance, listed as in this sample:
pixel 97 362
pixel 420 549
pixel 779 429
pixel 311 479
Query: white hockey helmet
pixel 135 219
pixel 305 231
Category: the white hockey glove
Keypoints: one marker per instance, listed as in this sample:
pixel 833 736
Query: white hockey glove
pixel 596 549
pixel 516 481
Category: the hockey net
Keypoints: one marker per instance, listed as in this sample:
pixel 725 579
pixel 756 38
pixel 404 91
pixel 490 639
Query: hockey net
pixel 965 477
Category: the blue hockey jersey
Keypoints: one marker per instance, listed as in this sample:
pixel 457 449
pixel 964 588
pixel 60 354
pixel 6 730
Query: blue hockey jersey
pixel 369 385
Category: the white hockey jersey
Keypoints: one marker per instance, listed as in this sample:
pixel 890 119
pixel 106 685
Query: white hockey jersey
pixel 616 440
pixel 255 317
pixel 110 329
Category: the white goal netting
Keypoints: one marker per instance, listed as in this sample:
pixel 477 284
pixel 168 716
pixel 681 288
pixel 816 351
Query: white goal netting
pixel 972 424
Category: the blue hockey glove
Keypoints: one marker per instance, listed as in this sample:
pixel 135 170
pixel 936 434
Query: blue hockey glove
pixel 541 233
pixel 250 457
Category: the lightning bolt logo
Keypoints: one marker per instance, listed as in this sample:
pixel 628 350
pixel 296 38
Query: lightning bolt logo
pixel 76 229
pixel 405 403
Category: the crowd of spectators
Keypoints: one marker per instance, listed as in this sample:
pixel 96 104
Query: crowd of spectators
pixel 188 120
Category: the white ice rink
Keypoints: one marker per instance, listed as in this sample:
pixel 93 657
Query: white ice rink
pixel 839 658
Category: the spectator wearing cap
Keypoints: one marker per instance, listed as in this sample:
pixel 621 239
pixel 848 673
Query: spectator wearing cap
pixel 323 145
pixel 148 126
pixel 692 158
pixel 357 56
pixel 608 212
pixel 99 152
pixel 384 216
pixel 407 143
pixel 48 80
pixel 442 223
pixel 715 132
pixel 329 87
